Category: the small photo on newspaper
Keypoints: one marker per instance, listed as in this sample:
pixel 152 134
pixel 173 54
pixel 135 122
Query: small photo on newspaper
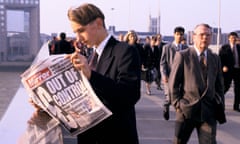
pixel 64 93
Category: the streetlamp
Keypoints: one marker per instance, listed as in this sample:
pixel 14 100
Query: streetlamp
pixel 112 9
pixel 219 16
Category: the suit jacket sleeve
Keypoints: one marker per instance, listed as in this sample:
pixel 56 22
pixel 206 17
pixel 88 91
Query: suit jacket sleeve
pixel 163 61
pixel 118 87
pixel 176 80
pixel 219 84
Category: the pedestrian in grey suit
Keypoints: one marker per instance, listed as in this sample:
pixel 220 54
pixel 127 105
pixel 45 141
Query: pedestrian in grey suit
pixel 166 61
pixel 197 98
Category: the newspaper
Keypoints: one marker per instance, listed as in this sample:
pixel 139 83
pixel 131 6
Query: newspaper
pixel 64 93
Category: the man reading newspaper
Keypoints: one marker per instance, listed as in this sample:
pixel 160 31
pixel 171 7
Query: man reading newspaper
pixel 62 91
pixel 115 78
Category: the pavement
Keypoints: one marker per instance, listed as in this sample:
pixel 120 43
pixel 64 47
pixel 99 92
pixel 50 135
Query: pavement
pixel 9 83
pixel 152 128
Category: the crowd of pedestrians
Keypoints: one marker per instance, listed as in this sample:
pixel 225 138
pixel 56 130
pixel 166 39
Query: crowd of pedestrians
pixel 60 45
pixel 194 79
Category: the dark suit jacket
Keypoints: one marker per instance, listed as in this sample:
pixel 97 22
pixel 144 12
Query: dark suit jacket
pixel 160 49
pixel 63 47
pixel 188 91
pixel 117 84
pixel 150 57
pixel 227 58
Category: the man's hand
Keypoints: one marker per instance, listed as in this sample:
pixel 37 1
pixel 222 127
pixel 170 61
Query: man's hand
pixel 225 69
pixel 80 63
pixel 165 79
pixel 39 117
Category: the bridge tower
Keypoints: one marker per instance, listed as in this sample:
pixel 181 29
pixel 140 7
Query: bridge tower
pixel 14 43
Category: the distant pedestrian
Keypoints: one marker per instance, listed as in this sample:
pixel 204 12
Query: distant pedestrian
pixel 149 63
pixel 63 46
pixel 51 45
pixel 168 53
pixel 131 38
pixel 230 59
pixel 121 37
pixel 159 43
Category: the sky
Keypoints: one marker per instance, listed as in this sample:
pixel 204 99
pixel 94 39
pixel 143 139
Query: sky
pixel 134 14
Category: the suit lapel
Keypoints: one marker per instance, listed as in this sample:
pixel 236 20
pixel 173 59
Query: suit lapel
pixel 106 57
pixel 238 52
pixel 212 67
pixel 211 70
pixel 197 71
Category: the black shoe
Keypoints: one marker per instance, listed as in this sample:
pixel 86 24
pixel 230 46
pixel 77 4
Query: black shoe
pixel 236 109
pixel 148 92
pixel 159 88
pixel 166 112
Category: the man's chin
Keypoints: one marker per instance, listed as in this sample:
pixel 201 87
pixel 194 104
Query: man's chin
pixel 89 46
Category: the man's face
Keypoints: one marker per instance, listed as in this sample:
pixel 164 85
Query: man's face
pixel 85 34
pixel 178 36
pixel 202 37
pixel 159 40
pixel 232 39
pixel 132 38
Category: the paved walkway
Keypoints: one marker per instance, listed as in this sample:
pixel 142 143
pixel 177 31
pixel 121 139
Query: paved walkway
pixel 153 129
pixel 9 83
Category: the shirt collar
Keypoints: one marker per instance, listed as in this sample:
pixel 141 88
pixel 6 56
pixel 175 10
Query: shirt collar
pixel 101 46
pixel 198 52
pixel 176 44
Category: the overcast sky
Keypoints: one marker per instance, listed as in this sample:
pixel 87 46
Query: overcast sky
pixel 133 14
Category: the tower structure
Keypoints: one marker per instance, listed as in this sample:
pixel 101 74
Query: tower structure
pixel 25 43
pixel 155 22
pixel 159 19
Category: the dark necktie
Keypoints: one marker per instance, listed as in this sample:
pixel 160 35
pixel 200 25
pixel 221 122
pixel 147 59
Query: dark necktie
pixel 233 51
pixel 93 61
pixel 179 47
pixel 236 61
pixel 203 64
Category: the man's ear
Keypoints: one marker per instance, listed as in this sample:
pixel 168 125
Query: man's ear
pixel 99 22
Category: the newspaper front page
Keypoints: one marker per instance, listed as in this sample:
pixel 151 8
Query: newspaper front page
pixel 65 94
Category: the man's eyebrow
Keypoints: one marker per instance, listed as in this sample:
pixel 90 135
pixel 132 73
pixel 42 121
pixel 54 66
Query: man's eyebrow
pixel 82 29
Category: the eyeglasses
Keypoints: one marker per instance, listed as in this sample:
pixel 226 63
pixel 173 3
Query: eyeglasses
pixel 203 34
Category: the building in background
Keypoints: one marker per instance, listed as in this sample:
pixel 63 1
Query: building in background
pixel 20 38
pixel 19 30
pixel 154 24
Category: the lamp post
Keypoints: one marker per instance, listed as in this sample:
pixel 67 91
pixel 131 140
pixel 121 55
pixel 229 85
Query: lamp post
pixel 112 11
pixel 219 16
pixel 159 19
pixel 129 15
